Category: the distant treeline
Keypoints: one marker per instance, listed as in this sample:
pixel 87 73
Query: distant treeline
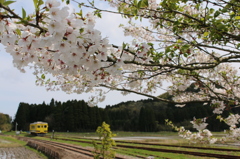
pixel 144 115
pixel 5 122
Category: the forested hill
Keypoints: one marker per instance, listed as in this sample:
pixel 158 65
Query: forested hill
pixel 143 115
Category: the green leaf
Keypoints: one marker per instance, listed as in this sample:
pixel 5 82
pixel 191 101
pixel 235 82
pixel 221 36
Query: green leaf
pixel 135 12
pixel 81 30
pixel 167 49
pixel 35 2
pixel 216 14
pixel 221 26
pixel 211 10
pixel 43 76
pixel 98 13
pixel 80 5
pixel 135 2
pixel 40 2
pixel 144 3
pixel 20 22
pixel 2 1
pixel 23 13
pixel 80 13
pixel 238 46
pixel 184 47
pixel 48 80
pixel 205 34
pixel 237 17
pixel 124 45
pixel 179 41
pixel 139 5
pixel 224 10
pixel 150 44
pixel 8 3
pixel 18 31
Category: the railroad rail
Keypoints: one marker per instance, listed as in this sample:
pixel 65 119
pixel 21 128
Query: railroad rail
pixel 168 145
pixel 69 147
pixel 182 146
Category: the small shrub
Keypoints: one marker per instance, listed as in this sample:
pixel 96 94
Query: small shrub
pixel 104 149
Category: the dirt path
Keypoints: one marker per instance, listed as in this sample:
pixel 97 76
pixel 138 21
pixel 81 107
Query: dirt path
pixel 18 153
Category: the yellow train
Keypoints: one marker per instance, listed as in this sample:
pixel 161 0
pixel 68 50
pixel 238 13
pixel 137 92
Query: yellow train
pixel 39 128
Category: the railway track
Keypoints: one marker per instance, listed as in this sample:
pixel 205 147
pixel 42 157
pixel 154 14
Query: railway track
pixel 122 144
pixel 82 151
pixel 178 146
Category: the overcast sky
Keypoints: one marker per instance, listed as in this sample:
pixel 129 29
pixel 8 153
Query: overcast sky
pixel 16 87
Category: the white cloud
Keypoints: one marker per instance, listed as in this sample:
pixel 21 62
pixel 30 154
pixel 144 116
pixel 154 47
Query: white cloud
pixel 109 26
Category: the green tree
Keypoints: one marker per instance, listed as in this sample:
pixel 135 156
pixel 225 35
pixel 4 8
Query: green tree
pixel 5 122
pixel 58 116
pixel 70 122
pixel 22 116
pixel 104 148
pixel 147 121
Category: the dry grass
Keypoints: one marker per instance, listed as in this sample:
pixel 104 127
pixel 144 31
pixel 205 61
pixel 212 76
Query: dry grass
pixel 167 141
pixel 8 145
pixel 7 142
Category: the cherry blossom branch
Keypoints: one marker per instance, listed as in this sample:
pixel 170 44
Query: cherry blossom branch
pixel 15 16
pixel 151 96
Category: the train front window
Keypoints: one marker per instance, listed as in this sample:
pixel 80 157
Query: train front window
pixel 45 126
pixel 38 126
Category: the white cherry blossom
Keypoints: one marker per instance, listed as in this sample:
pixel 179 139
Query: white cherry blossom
pixel 68 46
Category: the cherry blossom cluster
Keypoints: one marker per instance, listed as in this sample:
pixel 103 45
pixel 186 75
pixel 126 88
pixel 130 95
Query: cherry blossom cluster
pixel 199 124
pixel 232 120
pixel 67 46
pixel 213 85
pixel 203 136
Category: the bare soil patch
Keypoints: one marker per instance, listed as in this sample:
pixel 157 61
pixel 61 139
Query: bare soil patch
pixel 18 153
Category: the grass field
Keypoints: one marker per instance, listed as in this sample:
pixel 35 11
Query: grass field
pixel 163 138
pixel 6 141
pixel 131 151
